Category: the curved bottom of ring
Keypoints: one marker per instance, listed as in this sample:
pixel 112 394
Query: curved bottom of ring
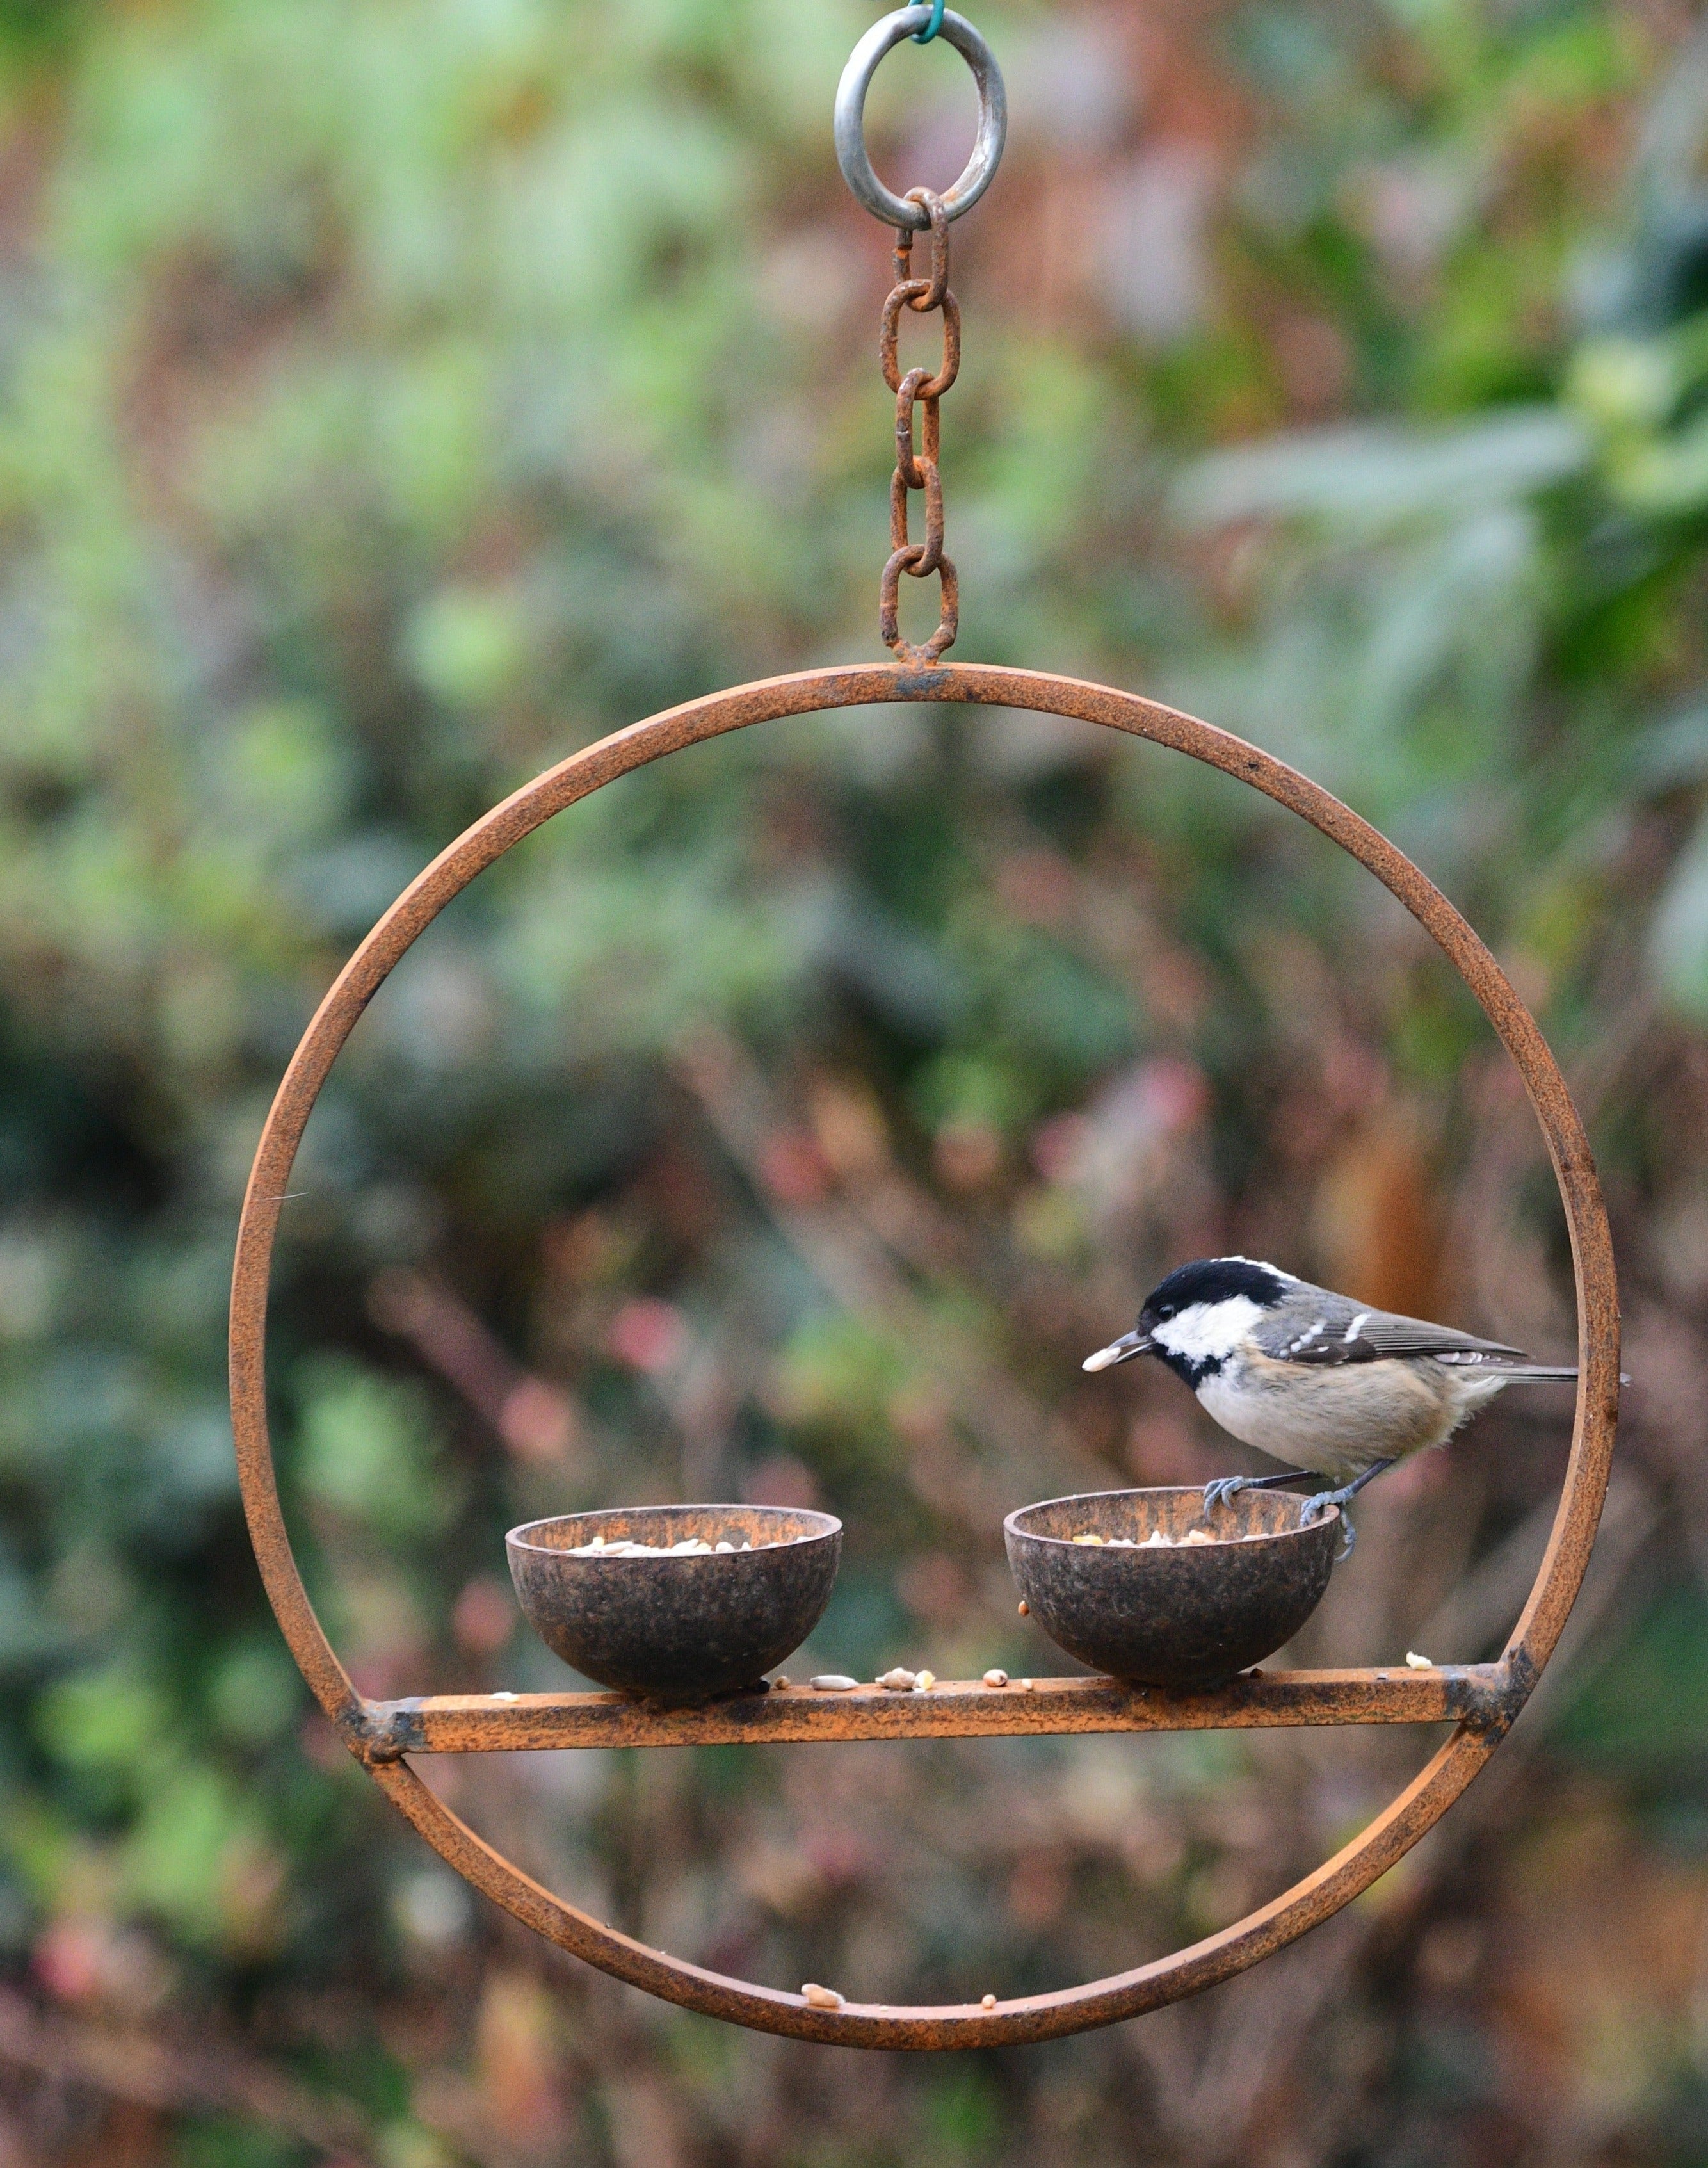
pixel 928 2026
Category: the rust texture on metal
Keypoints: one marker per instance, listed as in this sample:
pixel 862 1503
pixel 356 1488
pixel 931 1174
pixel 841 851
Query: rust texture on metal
pixel 680 1628
pixel 916 459
pixel 799 1715
pixel 1175 1614
pixel 1376 1848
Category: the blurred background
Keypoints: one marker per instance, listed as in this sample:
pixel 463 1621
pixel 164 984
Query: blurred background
pixel 398 397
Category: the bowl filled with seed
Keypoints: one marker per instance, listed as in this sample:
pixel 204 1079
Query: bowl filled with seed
pixel 677 1602
pixel 1143 1585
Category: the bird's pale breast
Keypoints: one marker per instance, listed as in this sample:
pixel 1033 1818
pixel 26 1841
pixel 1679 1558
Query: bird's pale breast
pixel 1335 1421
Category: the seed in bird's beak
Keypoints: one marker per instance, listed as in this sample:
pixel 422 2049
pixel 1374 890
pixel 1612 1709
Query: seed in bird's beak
pixel 1119 1351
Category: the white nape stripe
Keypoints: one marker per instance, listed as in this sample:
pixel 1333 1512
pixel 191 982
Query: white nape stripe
pixel 1209 1331
pixel 1356 1326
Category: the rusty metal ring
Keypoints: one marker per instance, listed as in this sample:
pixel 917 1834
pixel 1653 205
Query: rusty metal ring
pixel 850 122
pixel 915 557
pixel 889 339
pixel 1393 1833
pixel 938 218
pixel 918 560
pixel 906 398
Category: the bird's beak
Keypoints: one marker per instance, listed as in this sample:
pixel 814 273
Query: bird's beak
pixel 1136 1342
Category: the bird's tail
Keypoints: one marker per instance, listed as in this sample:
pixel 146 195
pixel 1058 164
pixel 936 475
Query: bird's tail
pixel 1499 1371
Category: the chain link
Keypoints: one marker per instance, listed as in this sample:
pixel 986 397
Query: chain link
pixel 916 453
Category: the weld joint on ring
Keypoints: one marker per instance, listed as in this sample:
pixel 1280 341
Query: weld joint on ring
pixel 382 1731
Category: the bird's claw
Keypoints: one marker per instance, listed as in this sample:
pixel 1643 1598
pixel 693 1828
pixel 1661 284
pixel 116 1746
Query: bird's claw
pixel 1222 1489
pixel 1314 1507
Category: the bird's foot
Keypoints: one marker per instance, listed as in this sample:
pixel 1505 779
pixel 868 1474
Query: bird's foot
pixel 1314 1509
pixel 1222 1489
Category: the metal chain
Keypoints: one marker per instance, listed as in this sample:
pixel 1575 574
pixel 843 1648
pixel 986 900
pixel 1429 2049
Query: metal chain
pixel 917 455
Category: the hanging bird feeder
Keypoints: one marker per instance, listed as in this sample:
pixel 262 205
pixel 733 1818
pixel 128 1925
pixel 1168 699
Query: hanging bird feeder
pixel 689 1576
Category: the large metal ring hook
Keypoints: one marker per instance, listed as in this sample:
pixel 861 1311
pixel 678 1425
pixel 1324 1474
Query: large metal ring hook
pixel 851 116
pixel 383 1735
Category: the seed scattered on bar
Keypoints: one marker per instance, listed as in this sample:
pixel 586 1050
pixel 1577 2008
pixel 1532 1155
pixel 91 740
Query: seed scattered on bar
pixel 504 1693
pixel 781 1679
pixel 987 2002
pixel 897 1681
pixel 820 1998
pixel 1416 1663
pixel 995 1678
pixel 1024 1610
pixel 1025 1686
pixel 1088 1539
pixel 924 1682
pixel 1197 1536
pixel 834 1683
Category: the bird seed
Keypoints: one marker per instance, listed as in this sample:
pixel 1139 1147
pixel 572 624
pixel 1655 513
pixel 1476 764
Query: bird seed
pixel 625 1547
pixel 1157 1540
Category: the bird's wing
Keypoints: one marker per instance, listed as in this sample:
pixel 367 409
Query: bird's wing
pixel 1337 1332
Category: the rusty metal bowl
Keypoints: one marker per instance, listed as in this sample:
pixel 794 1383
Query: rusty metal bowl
pixel 682 1629
pixel 1188 1615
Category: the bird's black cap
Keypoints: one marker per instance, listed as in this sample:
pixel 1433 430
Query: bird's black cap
pixel 1213 1279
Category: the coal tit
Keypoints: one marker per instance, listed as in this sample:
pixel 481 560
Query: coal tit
pixel 1310 1377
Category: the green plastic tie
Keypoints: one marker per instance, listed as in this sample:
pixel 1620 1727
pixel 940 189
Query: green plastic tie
pixel 924 37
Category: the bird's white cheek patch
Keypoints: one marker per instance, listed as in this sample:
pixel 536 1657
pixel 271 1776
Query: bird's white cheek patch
pixel 1209 1331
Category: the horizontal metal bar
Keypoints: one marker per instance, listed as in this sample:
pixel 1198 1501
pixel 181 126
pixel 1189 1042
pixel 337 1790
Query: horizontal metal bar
pixel 1480 1694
